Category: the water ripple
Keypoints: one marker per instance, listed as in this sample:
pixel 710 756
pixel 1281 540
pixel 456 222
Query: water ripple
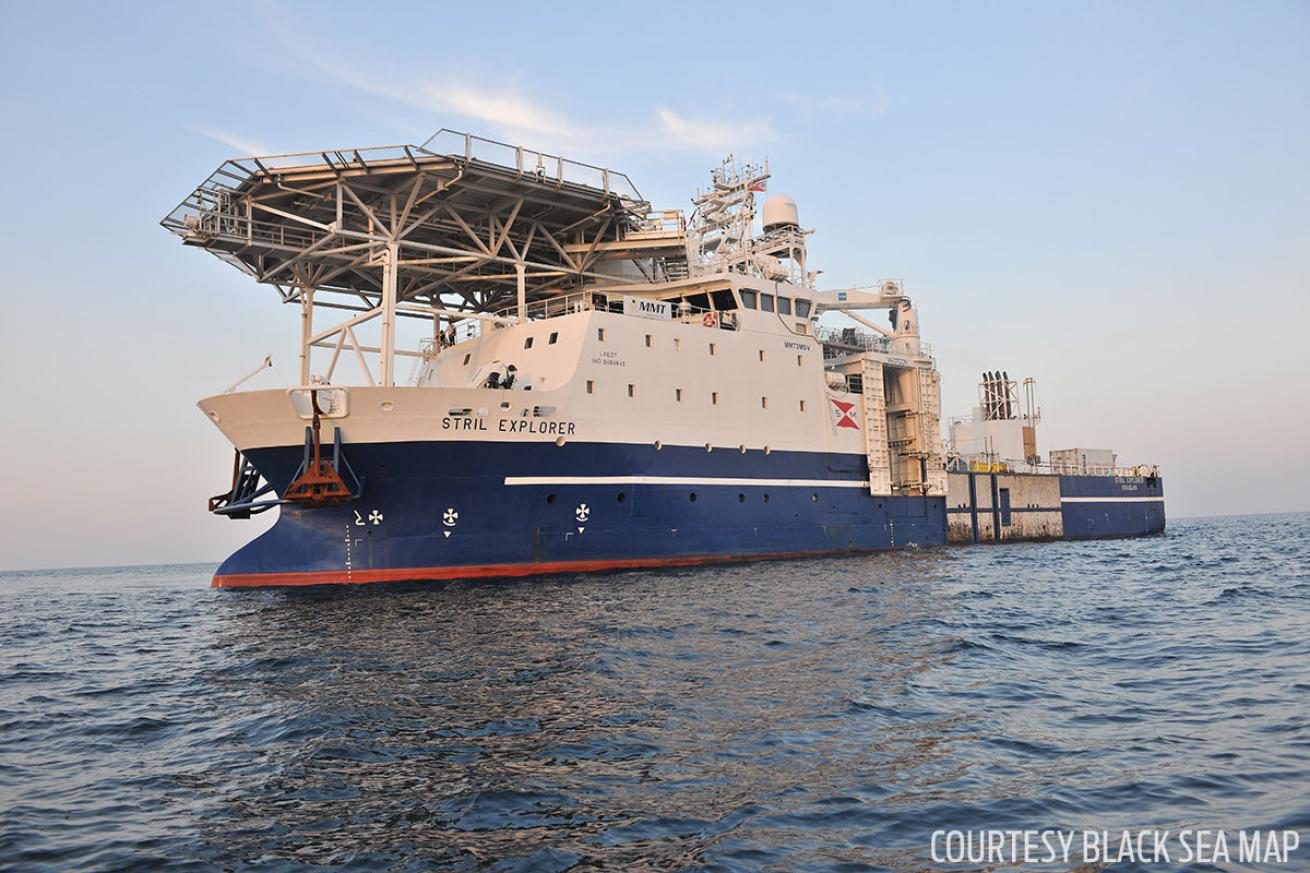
pixel 825 714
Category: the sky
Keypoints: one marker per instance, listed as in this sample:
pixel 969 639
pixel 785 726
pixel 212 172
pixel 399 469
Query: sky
pixel 1111 197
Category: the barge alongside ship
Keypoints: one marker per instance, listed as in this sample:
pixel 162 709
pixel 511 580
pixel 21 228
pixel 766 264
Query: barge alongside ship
pixel 598 385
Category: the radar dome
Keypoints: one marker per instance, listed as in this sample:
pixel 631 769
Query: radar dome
pixel 780 212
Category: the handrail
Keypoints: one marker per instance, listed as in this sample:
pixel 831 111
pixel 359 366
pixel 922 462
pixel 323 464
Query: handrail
pixel 1009 465
pixel 529 162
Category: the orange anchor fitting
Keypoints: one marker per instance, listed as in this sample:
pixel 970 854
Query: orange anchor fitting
pixel 319 484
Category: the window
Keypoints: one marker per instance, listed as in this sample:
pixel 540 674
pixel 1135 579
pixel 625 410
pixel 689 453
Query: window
pixel 802 307
pixel 800 360
pixel 802 327
pixel 748 298
pixel 600 334
pixel 802 406
pixel 764 403
pixel 648 341
pixel 711 348
pixel 677 394
pixel 761 356
pixel 766 302
pixel 632 390
pixel 466 358
pixel 527 343
pixel 677 344
pixel 784 306
pixel 714 398
pixel 554 338
pixel 723 300
pixel 591 387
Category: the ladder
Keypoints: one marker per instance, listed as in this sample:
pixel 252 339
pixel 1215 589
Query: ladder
pixel 930 433
pixel 875 428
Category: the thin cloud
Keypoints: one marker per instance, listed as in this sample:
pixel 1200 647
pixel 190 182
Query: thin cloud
pixel 246 147
pixel 504 109
pixel 514 114
pixel 699 133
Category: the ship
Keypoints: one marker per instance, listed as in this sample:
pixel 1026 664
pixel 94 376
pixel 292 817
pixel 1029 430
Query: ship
pixel 512 364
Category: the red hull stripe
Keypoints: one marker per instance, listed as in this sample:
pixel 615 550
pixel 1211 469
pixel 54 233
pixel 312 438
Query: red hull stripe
pixel 487 571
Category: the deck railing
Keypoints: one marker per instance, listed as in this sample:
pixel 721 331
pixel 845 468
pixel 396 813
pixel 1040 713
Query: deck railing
pixel 996 465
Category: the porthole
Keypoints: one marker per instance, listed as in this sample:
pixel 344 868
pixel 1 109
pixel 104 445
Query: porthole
pixel 387 406
pixel 550 499
pixel 766 497
pixel 742 448
pixel 814 498
pixel 692 497
pixel 620 497
pixel 709 447
pixel 741 498
pixel 767 450
pixel 658 445
pixel 560 441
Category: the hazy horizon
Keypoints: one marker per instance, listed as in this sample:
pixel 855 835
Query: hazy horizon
pixel 1112 198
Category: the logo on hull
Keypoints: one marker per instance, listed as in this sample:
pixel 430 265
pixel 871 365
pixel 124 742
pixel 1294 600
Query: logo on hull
pixel 843 414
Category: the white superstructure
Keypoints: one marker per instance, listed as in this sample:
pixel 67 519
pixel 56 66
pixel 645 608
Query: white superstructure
pixel 609 321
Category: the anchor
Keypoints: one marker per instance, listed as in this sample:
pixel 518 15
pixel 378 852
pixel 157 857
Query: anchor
pixel 319 483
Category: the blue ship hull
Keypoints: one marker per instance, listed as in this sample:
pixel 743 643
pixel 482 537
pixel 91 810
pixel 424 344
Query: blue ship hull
pixel 434 510
pixel 1111 506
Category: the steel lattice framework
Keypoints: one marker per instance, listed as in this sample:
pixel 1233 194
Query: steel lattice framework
pixel 459 227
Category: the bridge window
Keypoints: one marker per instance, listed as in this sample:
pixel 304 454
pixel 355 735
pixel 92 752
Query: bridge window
pixel 766 302
pixel 554 337
pixel 748 298
pixel 723 300
pixel 527 343
pixel 802 307
pixel 784 306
